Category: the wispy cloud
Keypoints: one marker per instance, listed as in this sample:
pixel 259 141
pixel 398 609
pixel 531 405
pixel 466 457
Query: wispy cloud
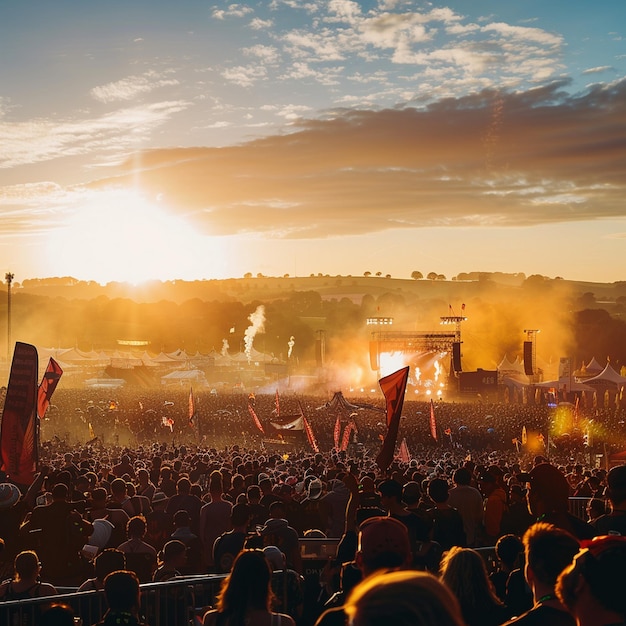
pixel 24 143
pixel 598 70
pixel 131 87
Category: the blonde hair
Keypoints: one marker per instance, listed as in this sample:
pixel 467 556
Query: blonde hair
pixel 464 572
pixel 403 598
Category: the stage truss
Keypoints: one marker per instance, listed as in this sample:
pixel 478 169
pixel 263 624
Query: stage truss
pixel 409 343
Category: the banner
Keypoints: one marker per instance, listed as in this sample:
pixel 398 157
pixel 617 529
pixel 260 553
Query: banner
pixel 18 436
pixel 310 435
pixel 337 433
pixel 47 386
pixel 192 409
pixel 433 421
pixel 277 402
pixel 345 440
pixel 257 421
pixel 524 436
pixel 393 388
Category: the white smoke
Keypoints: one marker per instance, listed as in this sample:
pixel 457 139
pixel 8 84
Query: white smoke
pixel 437 371
pixel 257 320
pixel 225 347
pixel 290 343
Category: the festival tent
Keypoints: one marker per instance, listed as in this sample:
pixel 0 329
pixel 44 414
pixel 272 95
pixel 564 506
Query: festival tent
pixel 178 355
pixel 608 377
pixel 184 377
pixel 593 367
pixel 512 369
pixel 164 359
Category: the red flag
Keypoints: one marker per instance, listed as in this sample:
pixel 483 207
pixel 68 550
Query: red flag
pixel 433 421
pixel 403 454
pixel 310 435
pixel 393 388
pixel 337 433
pixel 257 421
pixel 47 386
pixel 18 435
pixel 345 440
pixel 192 408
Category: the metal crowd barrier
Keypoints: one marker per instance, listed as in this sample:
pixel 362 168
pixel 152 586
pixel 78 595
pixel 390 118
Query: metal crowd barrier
pixel 172 603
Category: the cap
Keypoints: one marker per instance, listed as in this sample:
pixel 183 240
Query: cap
pixel 315 489
pixel 274 557
pixel 9 495
pixel 384 535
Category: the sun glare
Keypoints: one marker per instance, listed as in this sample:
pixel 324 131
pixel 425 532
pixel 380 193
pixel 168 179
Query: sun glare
pixel 121 236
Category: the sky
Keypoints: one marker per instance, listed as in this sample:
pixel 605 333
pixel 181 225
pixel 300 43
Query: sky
pixel 149 139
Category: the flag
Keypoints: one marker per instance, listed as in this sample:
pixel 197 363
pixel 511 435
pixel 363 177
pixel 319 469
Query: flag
pixel 257 421
pixel 310 435
pixel 168 422
pixel 192 408
pixel 47 386
pixel 345 440
pixel 433 421
pixel 92 434
pixel 277 404
pixel 18 434
pixel 403 454
pixel 337 433
pixel 393 388
pixel 524 436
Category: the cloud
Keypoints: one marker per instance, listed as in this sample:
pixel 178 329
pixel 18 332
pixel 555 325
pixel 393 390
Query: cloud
pixel 131 87
pixel 493 158
pixel 598 70
pixel 38 140
pixel 245 75
pixel 233 10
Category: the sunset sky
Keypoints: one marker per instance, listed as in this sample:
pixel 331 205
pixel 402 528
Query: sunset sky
pixel 156 139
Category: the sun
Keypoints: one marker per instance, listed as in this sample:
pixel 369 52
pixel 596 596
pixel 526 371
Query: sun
pixel 119 235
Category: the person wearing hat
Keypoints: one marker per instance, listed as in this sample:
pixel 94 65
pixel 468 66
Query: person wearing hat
pixel 382 544
pixel 287 584
pixel 592 586
pixel 615 521
pixel 277 532
pixel 548 501
pixel 309 514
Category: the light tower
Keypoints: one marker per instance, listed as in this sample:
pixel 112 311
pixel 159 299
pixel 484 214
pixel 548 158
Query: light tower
pixel 456 346
pixel 9 278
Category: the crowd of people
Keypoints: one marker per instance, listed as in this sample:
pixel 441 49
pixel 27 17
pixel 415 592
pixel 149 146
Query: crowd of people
pixel 471 528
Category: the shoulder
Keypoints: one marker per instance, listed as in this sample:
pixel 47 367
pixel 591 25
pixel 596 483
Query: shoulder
pixel 210 618
pixel 283 620
pixel 46 589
